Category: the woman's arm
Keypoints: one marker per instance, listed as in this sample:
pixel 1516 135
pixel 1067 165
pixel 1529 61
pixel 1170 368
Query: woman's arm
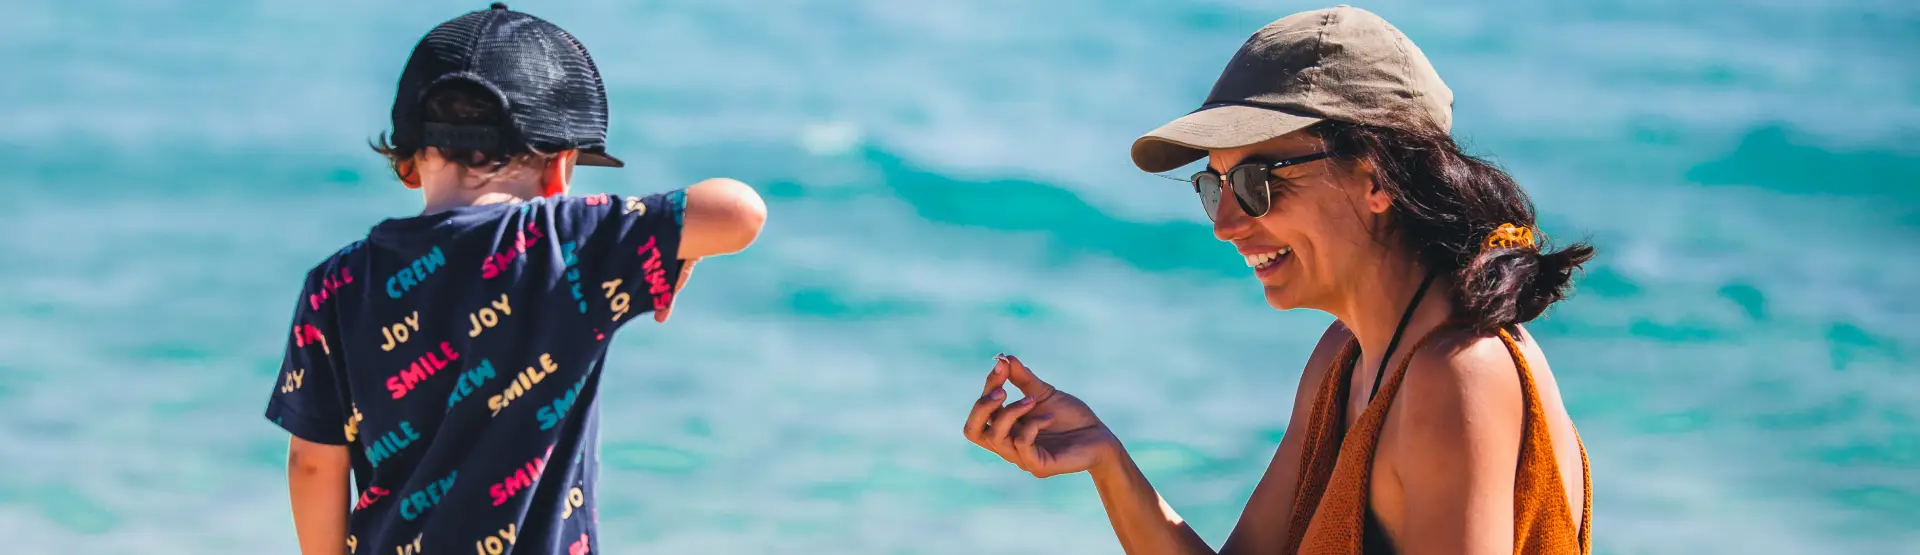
pixel 1064 436
pixel 1145 523
pixel 1459 419
pixel 1268 516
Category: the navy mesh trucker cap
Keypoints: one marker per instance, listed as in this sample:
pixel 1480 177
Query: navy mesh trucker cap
pixel 547 85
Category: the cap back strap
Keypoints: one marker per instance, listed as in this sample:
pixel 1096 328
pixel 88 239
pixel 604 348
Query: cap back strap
pixel 477 137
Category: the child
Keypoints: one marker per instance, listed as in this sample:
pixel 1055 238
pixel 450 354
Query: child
pixel 451 360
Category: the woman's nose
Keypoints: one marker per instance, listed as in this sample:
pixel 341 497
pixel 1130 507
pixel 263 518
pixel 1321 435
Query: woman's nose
pixel 1229 222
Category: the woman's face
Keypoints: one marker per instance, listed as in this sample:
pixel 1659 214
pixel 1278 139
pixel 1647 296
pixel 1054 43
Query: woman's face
pixel 1320 224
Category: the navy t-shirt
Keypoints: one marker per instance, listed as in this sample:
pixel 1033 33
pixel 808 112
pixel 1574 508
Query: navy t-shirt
pixel 458 355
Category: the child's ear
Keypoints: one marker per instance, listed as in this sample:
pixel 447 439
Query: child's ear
pixel 408 171
pixel 558 175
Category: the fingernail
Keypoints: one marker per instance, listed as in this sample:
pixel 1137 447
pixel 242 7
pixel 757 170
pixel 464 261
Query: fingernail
pixel 1024 401
pixel 997 394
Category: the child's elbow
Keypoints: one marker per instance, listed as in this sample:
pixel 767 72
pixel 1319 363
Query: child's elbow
pixel 307 458
pixel 723 216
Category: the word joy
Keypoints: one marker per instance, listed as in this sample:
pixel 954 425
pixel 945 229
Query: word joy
pixel 293 381
pixel 574 500
pixel 618 300
pixel 497 543
pixel 412 548
pixel 488 317
pixel 397 334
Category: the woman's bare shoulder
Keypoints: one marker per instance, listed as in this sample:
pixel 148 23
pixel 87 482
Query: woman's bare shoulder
pixel 1325 354
pixel 1461 380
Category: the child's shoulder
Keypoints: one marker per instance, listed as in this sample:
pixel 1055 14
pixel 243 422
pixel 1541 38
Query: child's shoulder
pixel 325 279
pixel 593 200
pixel 594 207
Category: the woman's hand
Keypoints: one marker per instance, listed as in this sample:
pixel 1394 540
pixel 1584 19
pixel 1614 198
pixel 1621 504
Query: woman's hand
pixel 1046 433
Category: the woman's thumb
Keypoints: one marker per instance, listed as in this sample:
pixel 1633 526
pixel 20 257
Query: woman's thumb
pixel 1024 378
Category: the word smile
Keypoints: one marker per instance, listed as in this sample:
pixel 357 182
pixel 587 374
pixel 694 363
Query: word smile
pixel 524 477
pixel 328 284
pixel 525 381
pixel 656 275
pixel 385 446
pixel 499 262
pixel 421 369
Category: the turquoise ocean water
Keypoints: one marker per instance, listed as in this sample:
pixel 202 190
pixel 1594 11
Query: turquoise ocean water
pixel 947 180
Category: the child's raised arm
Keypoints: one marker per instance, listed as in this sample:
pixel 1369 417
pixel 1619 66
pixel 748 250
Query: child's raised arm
pixel 723 216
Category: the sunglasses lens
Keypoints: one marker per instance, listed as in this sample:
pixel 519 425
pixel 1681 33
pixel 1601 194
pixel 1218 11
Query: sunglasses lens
pixel 1250 188
pixel 1207 185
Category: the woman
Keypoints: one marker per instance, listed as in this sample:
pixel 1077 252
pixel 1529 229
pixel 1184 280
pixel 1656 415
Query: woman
pixel 1331 169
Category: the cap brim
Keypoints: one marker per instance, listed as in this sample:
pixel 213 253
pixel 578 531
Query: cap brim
pixel 598 157
pixel 1184 140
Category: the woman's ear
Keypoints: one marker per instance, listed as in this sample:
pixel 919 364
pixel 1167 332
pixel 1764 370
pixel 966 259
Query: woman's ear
pixel 1377 198
pixel 557 177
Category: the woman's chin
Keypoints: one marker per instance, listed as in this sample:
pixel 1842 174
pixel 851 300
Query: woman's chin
pixel 1280 298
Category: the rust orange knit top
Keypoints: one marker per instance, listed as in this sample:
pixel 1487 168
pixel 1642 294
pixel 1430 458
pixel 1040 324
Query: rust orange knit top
pixel 1330 508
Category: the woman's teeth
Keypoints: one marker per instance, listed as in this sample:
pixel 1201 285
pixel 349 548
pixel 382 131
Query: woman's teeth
pixel 1263 259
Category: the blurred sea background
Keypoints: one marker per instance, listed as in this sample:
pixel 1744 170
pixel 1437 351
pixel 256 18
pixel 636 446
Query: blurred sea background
pixel 948 179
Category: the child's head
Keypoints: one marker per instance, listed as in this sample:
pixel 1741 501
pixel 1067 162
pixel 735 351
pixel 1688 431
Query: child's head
pixel 497 101
pixel 514 168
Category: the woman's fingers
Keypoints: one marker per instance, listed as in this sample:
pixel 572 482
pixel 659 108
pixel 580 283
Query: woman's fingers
pixel 1023 378
pixel 1023 436
pixel 989 400
pixel 983 410
pixel 1004 419
pixel 997 377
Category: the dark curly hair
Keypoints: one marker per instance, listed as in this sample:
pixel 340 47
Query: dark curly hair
pixel 465 103
pixel 1445 203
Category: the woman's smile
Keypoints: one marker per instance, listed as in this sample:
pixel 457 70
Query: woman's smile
pixel 1266 261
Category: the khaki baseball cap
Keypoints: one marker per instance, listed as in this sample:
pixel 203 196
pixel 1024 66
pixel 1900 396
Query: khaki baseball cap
pixel 1341 63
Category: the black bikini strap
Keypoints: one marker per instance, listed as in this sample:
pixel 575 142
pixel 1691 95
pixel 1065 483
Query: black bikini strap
pixel 1380 374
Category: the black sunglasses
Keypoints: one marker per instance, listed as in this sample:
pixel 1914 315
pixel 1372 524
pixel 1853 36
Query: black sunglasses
pixel 1251 182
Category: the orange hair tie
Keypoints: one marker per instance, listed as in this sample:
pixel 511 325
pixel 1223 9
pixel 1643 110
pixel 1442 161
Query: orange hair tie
pixel 1509 236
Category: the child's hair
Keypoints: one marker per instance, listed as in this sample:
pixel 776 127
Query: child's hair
pixel 461 102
